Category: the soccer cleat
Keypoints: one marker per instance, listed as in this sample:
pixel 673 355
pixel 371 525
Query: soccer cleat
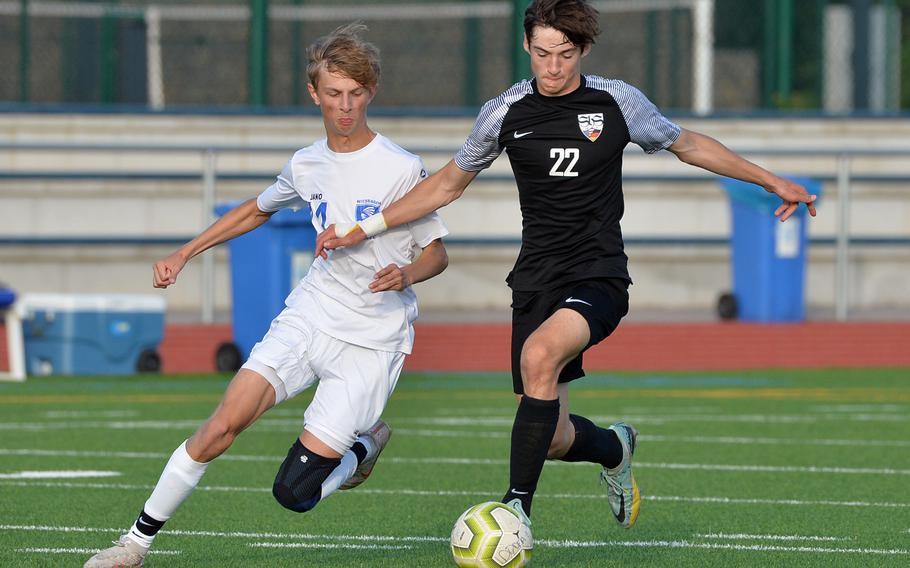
pixel 379 436
pixel 518 509
pixel 126 553
pixel 623 494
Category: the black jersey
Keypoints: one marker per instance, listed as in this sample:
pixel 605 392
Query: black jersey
pixel 566 155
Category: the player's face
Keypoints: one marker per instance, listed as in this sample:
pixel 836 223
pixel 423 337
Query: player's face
pixel 343 102
pixel 555 61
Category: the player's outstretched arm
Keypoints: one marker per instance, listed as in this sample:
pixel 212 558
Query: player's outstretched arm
pixel 707 153
pixel 438 190
pixel 431 262
pixel 242 219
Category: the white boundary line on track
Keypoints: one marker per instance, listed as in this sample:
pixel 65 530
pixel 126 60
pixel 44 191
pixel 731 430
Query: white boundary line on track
pixel 491 461
pixel 423 493
pixel 548 543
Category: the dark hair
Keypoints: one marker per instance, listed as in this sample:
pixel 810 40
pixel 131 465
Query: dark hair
pixel 576 19
pixel 342 51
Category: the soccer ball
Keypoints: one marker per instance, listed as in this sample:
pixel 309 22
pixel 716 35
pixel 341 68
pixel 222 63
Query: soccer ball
pixel 491 535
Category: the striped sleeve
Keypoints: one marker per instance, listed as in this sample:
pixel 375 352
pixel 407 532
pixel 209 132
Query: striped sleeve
pixel 647 126
pixel 482 146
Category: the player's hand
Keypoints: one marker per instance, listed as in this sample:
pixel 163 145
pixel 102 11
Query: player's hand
pixel 792 195
pixel 164 272
pixel 327 240
pixel 392 277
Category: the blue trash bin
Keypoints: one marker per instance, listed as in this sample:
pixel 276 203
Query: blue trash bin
pixel 266 264
pixel 769 257
pixel 88 334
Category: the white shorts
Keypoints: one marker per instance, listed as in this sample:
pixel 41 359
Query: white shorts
pixel 355 382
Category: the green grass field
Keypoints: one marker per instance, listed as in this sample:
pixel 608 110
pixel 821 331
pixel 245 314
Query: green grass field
pixel 769 468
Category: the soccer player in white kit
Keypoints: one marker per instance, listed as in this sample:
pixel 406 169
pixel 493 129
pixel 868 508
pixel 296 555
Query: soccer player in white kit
pixel 348 324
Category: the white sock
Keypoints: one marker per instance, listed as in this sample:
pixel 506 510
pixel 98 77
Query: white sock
pixel 180 476
pixel 342 472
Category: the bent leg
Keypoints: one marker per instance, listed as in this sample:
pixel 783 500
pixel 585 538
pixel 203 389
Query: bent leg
pixel 246 398
pixel 556 342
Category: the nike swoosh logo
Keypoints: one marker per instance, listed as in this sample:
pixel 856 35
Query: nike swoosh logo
pixel 570 300
pixel 518 492
pixel 523 134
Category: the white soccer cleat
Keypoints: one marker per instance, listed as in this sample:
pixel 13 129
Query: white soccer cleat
pixel 379 436
pixel 623 494
pixel 126 553
pixel 519 510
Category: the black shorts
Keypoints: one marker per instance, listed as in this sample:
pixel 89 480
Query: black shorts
pixel 602 302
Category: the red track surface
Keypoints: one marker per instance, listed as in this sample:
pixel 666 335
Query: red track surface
pixel 635 346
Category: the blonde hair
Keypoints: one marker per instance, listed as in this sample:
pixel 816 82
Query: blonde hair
pixel 344 52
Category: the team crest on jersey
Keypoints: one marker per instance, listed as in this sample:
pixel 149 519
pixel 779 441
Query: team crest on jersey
pixel 366 208
pixel 591 125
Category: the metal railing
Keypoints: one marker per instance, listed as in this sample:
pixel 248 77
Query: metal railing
pixel 209 176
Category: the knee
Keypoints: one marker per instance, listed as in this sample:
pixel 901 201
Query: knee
pixel 215 436
pixel 538 361
pixel 287 498
pixel 298 484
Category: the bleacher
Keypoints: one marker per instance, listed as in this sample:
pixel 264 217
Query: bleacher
pixel 90 201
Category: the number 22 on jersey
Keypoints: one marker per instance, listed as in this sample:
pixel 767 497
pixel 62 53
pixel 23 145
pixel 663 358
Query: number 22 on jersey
pixel 562 155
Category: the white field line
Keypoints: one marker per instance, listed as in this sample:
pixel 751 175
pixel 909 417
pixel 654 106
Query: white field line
pixel 740 536
pixel 486 493
pixel 90 413
pixel 493 461
pixel 506 421
pixel 480 421
pixel 233 534
pixel 550 543
pixel 717 546
pixel 330 545
pixel 84 551
pixel 68 474
pixel 858 408
pixel 775 441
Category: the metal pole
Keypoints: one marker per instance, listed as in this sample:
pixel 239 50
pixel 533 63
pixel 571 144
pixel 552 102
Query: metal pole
pixel 785 49
pixel 703 82
pixel 209 164
pixel 521 64
pixel 769 58
pixel 259 52
pixel 108 77
pixel 471 61
pixel 299 71
pixel 861 77
pixel 842 268
pixel 23 51
pixel 155 79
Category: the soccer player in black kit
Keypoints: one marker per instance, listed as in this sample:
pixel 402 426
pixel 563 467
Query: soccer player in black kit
pixel 564 133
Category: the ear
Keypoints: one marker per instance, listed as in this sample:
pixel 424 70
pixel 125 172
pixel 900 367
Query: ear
pixel 586 50
pixel 313 94
pixel 527 45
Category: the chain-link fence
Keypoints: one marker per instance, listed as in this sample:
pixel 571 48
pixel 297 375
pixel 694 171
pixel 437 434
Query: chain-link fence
pixel 696 55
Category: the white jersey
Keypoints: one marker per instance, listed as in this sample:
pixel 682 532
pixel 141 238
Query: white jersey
pixel 346 188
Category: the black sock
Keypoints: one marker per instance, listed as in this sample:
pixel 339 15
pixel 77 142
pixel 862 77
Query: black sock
pixel 535 424
pixel 360 451
pixel 148 525
pixel 593 444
